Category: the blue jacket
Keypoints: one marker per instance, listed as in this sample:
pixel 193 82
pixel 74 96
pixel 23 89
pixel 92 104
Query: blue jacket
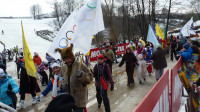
pixel 148 55
pixel 50 86
pixel 4 82
pixel 186 55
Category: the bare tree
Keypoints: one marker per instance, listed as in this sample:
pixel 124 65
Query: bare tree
pixel 57 13
pixel 33 11
pixel 38 11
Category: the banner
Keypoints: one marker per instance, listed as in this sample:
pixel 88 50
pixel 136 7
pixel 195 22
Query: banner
pixel 96 51
pixel 29 64
pixel 176 87
pixel 158 98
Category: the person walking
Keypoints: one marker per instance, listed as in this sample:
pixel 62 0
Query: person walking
pixel 102 77
pixel 131 62
pixel 110 57
pixel 173 48
pixel 76 78
pixel 28 84
pixel 159 61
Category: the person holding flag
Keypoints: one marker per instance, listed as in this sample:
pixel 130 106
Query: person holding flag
pixel 28 81
pixel 28 84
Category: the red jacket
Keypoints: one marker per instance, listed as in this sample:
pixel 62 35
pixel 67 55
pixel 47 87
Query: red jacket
pixel 37 60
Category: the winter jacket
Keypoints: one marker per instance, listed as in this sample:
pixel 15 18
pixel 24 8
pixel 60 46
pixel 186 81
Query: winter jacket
pixel 4 82
pixel 3 54
pixel 131 61
pixel 109 53
pixel 102 71
pixel 27 83
pixel 180 46
pixel 159 60
pixel 148 55
pixel 77 87
pixel 186 55
pixel 139 50
pixel 50 86
pixel 37 60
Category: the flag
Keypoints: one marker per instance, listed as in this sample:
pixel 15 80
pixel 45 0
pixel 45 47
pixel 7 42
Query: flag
pixel 188 28
pixel 78 29
pixel 159 32
pixel 151 37
pixel 64 36
pixel 29 64
pixel 89 22
pixel 165 36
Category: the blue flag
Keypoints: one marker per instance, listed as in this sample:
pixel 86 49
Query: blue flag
pixel 151 37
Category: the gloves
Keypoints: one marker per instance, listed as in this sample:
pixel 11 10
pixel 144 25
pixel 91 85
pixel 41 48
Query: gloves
pixel 9 92
pixel 79 73
pixel 40 97
pixel 63 86
pixel 112 87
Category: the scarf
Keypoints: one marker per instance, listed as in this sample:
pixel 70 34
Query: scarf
pixel 54 92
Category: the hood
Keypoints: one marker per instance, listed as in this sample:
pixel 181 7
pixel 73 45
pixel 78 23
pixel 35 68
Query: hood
pixel 189 50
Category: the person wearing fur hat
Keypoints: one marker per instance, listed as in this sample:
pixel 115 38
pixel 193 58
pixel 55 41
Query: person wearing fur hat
pixel 75 79
pixel 8 90
pixel 28 84
pixel 159 61
pixel 131 62
pixel 54 82
pixel 103 77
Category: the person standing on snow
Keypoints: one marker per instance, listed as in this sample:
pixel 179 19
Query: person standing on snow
pixel 8 90
pixel 173 48
pixel 159 61
pixel 142 69
pixel 75 79
pixel 28 84
pixel 131 62
pixel 103 76
pixel 54 82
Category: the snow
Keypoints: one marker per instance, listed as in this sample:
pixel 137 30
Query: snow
pixel 13 34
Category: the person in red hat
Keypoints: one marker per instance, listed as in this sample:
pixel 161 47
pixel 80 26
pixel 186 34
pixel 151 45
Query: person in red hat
pixel 103 77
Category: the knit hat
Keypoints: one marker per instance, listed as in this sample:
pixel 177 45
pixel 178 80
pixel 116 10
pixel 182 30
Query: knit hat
pixel 100 56
pixel 140 56
pixel 35 53
pixel 1 72
pixel 61 103
pixel 55 63
pixel 186 45
pixel 66 52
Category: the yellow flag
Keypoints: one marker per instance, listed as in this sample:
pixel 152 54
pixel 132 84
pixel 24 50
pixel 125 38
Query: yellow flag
pixel 92 36
pixel 29 65
pixel 159 32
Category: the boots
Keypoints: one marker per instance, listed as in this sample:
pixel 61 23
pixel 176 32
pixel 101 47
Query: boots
pixel 34 100
pixel 21 104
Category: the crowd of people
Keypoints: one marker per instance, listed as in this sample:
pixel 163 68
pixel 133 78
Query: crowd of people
pixel 69 80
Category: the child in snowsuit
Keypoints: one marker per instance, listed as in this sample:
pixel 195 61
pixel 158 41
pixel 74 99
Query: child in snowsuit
pixel 142 69
pixel 53 84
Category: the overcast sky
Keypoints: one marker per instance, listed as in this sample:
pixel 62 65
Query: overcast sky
pixel 19 8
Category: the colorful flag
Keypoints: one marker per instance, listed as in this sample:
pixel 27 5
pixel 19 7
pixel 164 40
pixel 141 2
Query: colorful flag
pixel 159 32
pixel 188 28
pixel 151 37
pixel 29 64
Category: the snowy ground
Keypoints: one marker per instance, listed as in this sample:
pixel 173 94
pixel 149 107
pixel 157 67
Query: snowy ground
pixel 123 99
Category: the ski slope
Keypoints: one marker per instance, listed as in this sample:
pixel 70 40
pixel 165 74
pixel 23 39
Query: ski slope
pixel 13 34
